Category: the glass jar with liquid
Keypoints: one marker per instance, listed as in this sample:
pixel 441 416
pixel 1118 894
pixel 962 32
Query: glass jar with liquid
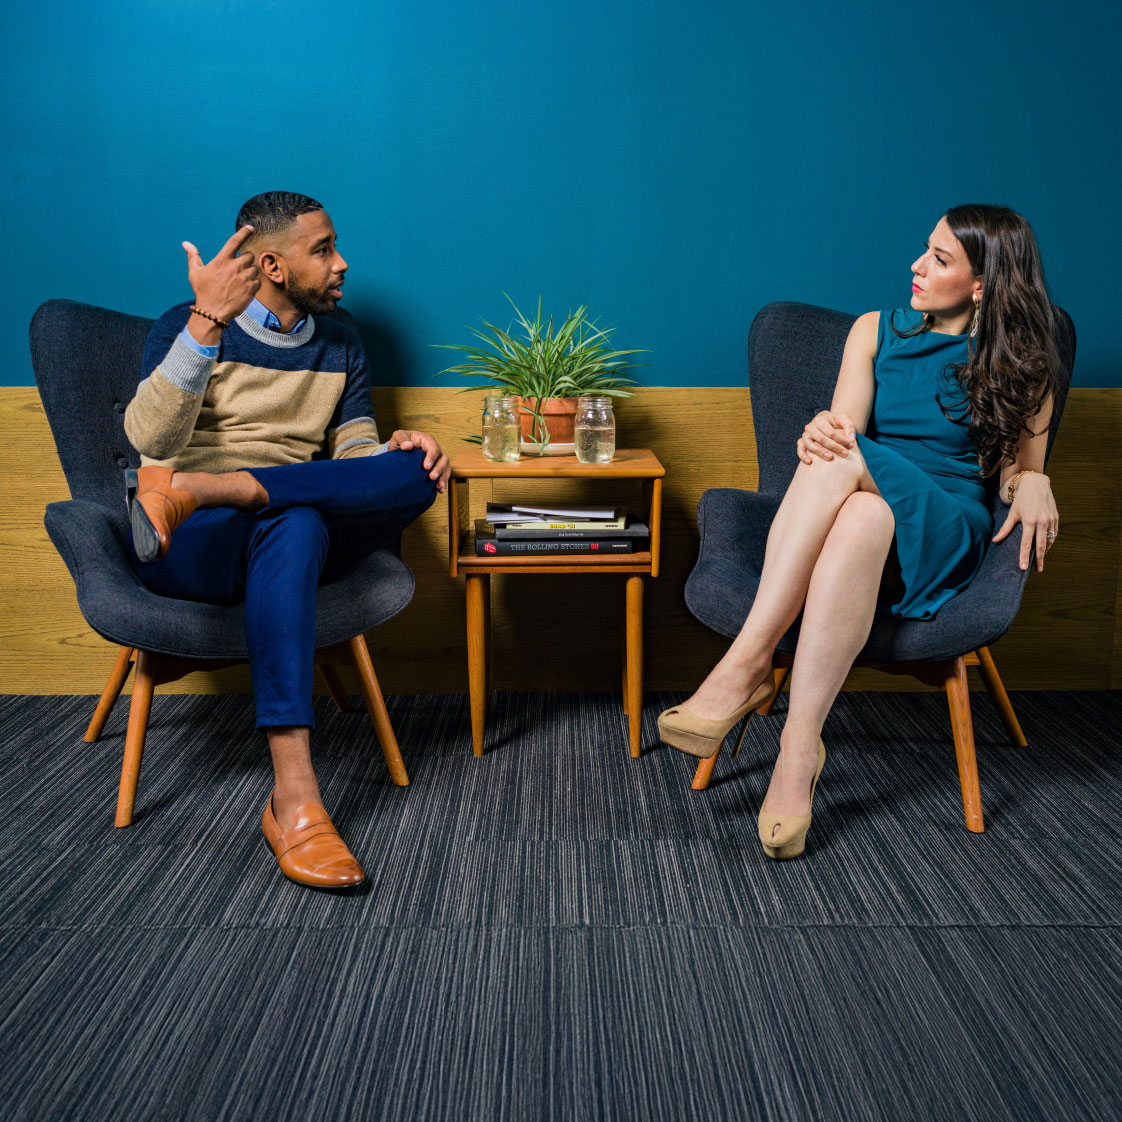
pixel 595 429
pixel 502 431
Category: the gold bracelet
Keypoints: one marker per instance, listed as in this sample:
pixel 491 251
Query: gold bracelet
pixel 1013 482
pixel 209 315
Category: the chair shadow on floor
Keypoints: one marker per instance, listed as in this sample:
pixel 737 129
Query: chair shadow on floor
pixel 882 792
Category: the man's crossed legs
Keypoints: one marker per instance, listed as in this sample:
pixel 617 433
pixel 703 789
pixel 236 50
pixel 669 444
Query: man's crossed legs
pixel 267 536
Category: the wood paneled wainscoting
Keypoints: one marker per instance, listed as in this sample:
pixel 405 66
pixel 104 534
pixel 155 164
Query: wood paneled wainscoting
pixel 549 631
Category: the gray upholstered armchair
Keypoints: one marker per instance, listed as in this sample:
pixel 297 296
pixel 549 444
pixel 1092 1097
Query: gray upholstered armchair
pixel 87 366
pixel 794 353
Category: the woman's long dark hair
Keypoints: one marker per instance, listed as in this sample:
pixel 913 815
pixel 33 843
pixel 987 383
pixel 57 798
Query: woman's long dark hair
pixel 1013 365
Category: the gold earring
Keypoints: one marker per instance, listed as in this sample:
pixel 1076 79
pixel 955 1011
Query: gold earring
pixel 974 322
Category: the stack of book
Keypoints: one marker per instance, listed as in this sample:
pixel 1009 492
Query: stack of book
pixel 557 528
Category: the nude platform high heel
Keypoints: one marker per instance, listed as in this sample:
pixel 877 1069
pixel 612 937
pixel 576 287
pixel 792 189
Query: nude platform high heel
pixel 790 839
pixel 697 736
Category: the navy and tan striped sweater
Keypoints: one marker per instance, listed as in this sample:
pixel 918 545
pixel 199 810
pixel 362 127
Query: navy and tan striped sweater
pixel 266 399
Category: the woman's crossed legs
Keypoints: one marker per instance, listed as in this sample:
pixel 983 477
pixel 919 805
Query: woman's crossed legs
pixel 826 552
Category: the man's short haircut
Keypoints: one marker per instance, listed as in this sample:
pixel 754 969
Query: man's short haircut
pixel 274 211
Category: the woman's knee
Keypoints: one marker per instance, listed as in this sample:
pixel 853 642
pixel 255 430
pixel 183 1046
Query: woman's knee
pixel 845 472
pixel 866 514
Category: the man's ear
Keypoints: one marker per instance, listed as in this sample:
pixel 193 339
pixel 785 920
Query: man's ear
pixel 268 265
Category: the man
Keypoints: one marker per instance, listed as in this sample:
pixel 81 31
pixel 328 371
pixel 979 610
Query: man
pixel 260 454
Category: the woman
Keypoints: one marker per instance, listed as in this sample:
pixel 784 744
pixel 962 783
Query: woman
pixel 930 402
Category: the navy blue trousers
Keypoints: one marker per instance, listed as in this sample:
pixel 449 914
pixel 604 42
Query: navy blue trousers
pixel 322 518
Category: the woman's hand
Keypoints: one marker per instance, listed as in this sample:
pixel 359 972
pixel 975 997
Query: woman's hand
pixel 826 434
pixel 1035 508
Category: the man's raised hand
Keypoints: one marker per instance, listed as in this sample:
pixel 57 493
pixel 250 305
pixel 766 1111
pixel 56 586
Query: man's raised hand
pixel 226 285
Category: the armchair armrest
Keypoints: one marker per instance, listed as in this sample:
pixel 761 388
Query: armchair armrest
pixel 985 610
pixel 91 542
pixel 734 524
pixel 93 545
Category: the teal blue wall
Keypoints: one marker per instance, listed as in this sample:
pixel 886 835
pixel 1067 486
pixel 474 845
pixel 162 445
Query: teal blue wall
pixel 676 166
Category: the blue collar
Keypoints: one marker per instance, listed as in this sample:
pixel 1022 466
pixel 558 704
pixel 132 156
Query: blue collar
pixel 267 319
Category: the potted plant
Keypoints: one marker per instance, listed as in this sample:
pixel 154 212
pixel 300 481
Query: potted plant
pixel 547 368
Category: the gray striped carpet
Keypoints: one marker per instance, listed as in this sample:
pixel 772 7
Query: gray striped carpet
pixel 557 931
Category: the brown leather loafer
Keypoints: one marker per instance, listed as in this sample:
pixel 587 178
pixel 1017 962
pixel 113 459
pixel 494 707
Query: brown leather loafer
pixel 155 509
pixel 312 852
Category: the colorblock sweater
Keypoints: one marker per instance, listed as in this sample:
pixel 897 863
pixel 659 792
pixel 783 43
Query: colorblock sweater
pixel 267 398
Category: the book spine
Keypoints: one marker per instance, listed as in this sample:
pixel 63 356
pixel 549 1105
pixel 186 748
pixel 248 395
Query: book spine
pixel 491 547
pixel 556 514
pixel 507 534
pixel 541 527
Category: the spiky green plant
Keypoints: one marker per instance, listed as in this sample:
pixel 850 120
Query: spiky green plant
pixel 573 359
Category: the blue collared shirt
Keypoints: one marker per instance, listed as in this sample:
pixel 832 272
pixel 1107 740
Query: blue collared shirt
pixel 258 311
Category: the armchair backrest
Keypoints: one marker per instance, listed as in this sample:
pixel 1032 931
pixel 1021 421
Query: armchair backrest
pixel 794 354
pixel 87 367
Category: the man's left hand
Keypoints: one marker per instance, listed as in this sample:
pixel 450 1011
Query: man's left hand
pixel 436 461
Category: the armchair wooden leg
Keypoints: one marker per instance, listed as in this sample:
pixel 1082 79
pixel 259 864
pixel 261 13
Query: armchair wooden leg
pixel 958 698
pixel 705 768
pixel 996 689
pixel 110 694
pixel 781 674
pixel 376 706
pixel 143 685
pixel 704 772
pixel 335 687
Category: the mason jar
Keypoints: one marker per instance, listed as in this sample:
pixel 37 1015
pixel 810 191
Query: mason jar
pixel 502 431
pixel 595 429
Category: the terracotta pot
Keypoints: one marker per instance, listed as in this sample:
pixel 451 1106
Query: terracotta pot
pixel 560 414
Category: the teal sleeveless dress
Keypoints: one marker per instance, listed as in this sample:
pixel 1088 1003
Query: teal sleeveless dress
pixel 925 465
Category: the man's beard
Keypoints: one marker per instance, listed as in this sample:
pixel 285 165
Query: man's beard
pixel 307 300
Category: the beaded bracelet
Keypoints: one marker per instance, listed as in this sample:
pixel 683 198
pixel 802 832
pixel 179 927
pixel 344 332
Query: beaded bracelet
pixel 1013 482
pixel 209 315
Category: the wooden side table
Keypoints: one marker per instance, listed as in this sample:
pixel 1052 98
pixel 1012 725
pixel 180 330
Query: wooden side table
pixel 627 464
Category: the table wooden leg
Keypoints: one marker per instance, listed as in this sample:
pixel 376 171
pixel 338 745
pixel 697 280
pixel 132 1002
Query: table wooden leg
pixel 477 657
pixel 623 654
pixel 634 660
pixel 489 656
